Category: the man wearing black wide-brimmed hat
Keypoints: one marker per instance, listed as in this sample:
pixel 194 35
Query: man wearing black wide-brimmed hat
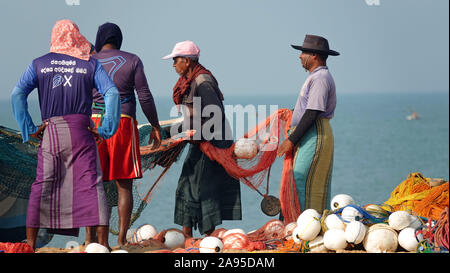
pixel 311 137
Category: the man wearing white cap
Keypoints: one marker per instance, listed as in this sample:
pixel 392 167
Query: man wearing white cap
pixel 206 194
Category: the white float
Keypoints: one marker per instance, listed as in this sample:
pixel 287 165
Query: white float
pixel 288 230
pixel 308 213
pixel 407 239
pixel 376 211
pixel 143 233
pixel 130 234
pixel 96 248
pixel 333 221
pixel 355 232
pixel 174 239
pixel 399 220
pixel 341 200
pixel 334 239
pixel 211 245
pixel 307 229
pixel 351 214
pixel 317 245
pixel 380 238
pixel 245 148
pixel 234 230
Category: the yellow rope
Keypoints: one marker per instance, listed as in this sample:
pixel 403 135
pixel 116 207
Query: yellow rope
pixel 416 194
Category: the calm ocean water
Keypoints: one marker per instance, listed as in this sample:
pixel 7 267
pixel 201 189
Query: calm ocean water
pixel 375 150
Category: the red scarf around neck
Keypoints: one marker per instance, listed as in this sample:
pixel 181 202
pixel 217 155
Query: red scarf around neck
pixel 183 84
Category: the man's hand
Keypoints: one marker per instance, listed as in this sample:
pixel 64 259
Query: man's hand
pixel 285 147
pixel 155 137
pixel 40 131
pixel 97 137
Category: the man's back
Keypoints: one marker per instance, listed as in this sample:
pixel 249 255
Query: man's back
pixel 127 72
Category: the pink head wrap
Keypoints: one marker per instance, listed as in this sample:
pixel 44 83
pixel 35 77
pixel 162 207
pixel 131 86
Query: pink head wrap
pixel 67 39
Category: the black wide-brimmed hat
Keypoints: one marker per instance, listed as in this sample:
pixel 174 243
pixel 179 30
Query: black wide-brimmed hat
pixel 316 44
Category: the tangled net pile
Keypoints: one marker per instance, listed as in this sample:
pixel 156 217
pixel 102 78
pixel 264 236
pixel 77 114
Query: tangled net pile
pixel 252 172
pixel 416 194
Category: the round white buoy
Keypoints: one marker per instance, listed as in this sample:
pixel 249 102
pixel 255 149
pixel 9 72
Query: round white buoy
pixel 380 238
pixel 333 221
pixel 143 233
pixel 407 239
pixel 355 232
pixel 288 230
pixel 174 238
pixel 317 245
pixel 351 214
pixel 308 212
pixel 234 230
pixel 96 248
pixel 376 211
pixel 341 200
pixel 130 234
pixel 307 230
pixel 211 245
pixel 334 239
pixel 245 148
pixel 399 220
pixel 119 251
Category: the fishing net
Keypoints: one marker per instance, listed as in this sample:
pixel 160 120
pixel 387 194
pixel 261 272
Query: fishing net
pixel 269 134
pixel 253 172
pixel 416 193
pixel 18 164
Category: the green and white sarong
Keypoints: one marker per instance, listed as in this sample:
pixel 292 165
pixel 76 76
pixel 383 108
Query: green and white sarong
pixel 313 165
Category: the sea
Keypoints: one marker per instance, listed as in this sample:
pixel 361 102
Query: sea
pixel 376 148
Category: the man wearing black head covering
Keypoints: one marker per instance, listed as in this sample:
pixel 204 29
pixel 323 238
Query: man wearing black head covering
pixel 120 155
pixel 108 33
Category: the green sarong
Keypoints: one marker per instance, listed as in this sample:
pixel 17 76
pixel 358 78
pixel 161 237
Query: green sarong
pixel 313 165
pixel 206 194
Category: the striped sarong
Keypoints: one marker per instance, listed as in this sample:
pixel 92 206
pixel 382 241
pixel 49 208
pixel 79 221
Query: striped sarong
pixel 68 192
pixel 313 165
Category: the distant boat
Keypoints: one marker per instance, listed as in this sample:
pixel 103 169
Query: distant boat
pixel 413 116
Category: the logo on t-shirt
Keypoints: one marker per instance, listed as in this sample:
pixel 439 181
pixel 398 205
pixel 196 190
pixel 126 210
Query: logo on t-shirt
pixel 57 80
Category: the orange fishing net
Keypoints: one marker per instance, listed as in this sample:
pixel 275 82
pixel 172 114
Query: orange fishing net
pixel 252 172
pixel 416 194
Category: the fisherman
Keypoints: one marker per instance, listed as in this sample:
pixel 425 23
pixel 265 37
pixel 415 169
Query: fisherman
pixel 120 155
pixel 206 194
pixel 311 137
pixel 68 192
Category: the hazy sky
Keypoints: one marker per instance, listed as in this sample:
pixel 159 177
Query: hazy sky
pixel 396 46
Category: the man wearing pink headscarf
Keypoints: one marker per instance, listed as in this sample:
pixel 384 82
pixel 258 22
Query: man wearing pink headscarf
pixel 68 191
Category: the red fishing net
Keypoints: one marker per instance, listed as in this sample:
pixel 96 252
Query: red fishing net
pixel 252 172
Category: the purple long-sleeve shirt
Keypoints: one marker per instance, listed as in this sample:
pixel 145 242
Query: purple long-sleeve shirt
pixel 127 72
